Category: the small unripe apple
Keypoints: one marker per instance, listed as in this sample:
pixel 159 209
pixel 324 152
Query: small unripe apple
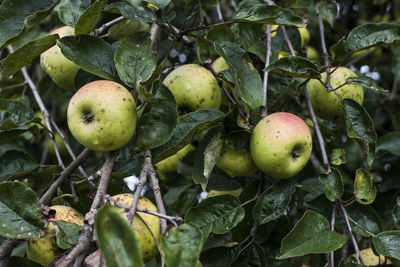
pixel 147 245
pixel 60 69
pixel 170 164
pixel 194 87
pixel 281 145
pixel 102 115
pixel 283 54
pixel 43 249
pixel 305 36
pixel 328 105
pixel 60 145
pixel 312 53
pixel 370 259
pixel 235 163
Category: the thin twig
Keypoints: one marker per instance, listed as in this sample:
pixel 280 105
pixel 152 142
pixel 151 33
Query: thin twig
pixel 142 182
pixel 84 239
pixel 265 81
pixel 158 197
pixel 46 197
pixel 333 220
pixel 107 25
pixel 260 186
pixel 311 111
pixel 219 12
pixel 361 227
pixel 325 54
pixel 65 141
pixel 13 86
pixel 7 246
pixel 353 240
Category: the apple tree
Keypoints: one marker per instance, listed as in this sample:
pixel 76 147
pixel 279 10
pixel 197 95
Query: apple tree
pixel 199 133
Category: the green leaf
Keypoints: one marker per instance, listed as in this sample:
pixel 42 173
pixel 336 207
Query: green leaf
pixel 311 235
pixel 364 188
pixel 396 214
pixel 390 142
pixel 19 261
pixel 365 36
pixel 182 246
pixel 134 59
pixel 14 113
pixel 159 3
pixel 19 211
pixel 266 14
pixel 207 154
pixel 338 156
pixel 16 163
pixel 92 54
pixel 333 185
pixel 158 122
pixel 247 80
pixel 67 234
pixel 360 127
pixel 367 83
pixel 187 128
pixel 24 55
pixel 69 11
pixel 15 15
pixel 116 239
pixel 87 21
pixel 216 214
pixel 388 244
pixel 273 202
pixel 135 12
pixel 127 28
pixel 295 66
pixel 251 38
pixel 329 10
pixel 220 256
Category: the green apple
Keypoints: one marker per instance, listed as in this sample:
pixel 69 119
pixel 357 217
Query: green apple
pixel 194 87
pixel 60 69
pixel 102 115
pixel 370 259
pixel 60 145
pixel 305 36
pixel 43 249
pixel 368 59
pixel 328 105
pixel 148 246
pixel 312 53
pixel 235 163
pixel 170 164
pixel 281 145
pixel 214 193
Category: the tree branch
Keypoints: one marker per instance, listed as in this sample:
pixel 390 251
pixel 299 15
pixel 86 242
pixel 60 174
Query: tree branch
pixel 157 195
pixel 324 50
pixel 107 25
pixel 46 197
pixel 265 81
pixel 333 220
pixel 353 240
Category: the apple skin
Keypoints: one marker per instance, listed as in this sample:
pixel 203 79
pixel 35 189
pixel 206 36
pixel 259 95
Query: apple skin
pixel 305 36
pixel 102 115
pixel 147 244
pixel 327 105
pixel 60 145
pixel 170 164
pixel 370 259
pixel 235 163
pixel 281 145
pixel 194 87
pixel 60 69
pixel 214 193
pixel 43 249
pixel 312 53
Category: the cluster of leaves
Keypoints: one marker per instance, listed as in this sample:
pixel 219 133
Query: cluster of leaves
pixel 288 219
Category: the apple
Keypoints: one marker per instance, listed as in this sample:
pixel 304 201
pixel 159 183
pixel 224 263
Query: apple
pixel 369 59
pixel 280 145
pixel 102 115
pixel 214 193
pixel 194 87
pixel 170 164
pixel 304 35
pixel 370 259
pixel 328 105
pixel 283 54
pixel 235 163
pixel 312 53
pixel 148 246
pixel 60 69
pixel 43 249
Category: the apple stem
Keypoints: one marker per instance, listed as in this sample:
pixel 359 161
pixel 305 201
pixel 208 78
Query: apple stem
pixel 88 117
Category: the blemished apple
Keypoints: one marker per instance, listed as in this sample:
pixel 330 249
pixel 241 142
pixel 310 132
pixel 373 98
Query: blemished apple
pixel 281 145
pixel 194 87
pixel 60 69
pixel 327 105
pixel 102 115
pixel 235 163
pixel 170 164
pixel 147 245
pixel 43 249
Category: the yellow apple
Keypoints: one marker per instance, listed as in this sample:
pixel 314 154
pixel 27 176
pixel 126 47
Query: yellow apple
pixel 43 249
pixel 147 244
